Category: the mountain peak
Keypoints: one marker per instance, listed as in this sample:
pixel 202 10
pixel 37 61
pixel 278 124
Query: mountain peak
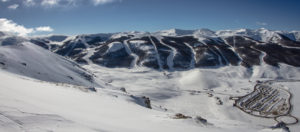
pixel 174 32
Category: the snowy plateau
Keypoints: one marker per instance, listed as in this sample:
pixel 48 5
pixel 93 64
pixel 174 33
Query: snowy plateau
pixel 166 81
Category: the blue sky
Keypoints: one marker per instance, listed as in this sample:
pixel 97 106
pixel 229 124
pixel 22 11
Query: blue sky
pixel 97 16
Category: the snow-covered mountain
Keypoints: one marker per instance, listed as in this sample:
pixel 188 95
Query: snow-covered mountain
pixel 294 35
pixel 182 49
pixel 166 81
pixel 20 56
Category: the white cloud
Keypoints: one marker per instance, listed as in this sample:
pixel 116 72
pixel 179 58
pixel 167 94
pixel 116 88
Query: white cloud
pixel 58 3
pixel 101 2
pixel 44 29
pixel 49 2
pixel 13 7
pixel 10 26
pixel 262 23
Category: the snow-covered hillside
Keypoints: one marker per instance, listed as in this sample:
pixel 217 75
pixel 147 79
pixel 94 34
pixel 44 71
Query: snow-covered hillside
pixel 167 81
pixel 20 56
pixel 35 106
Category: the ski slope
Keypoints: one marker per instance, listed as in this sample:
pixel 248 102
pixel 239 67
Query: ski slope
pixel 24 58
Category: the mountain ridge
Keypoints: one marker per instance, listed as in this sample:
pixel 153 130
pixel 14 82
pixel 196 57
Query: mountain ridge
pixel 178 49
pixel 184 49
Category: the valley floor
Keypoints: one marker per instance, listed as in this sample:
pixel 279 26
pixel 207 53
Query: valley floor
pixel 29 105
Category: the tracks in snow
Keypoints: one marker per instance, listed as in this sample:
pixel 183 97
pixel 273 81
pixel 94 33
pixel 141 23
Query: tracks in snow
pixel 90 52
pixel 193 56
pixel 129 52
pixel 233 49
pixel 7 121
pixel 218 56
pixel 173 53
pixel 170 59
pixel 157 55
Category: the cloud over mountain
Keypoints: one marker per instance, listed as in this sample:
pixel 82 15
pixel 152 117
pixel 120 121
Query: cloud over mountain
pixel 44 29
pixel 10 26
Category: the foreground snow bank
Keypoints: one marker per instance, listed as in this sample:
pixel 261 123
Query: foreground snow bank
pixel 35 106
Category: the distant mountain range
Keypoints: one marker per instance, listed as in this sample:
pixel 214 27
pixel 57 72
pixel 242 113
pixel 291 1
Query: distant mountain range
pixel 174 49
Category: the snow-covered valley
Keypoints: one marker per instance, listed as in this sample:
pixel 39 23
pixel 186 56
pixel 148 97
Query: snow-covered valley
pixel 41 91
pixel 32 105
